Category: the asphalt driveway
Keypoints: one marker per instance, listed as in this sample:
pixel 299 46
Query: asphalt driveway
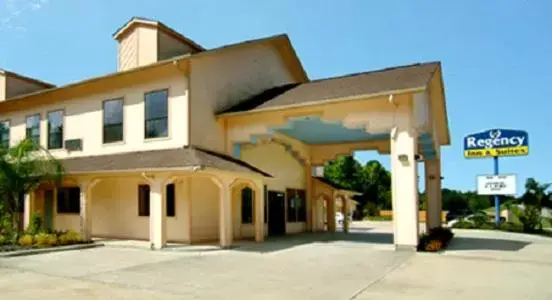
pixel 356 266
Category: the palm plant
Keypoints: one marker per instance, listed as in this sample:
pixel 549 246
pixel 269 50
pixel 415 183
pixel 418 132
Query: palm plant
pixel 23 168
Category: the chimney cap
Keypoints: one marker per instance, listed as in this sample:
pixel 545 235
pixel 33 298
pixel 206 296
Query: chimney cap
pixel 140 21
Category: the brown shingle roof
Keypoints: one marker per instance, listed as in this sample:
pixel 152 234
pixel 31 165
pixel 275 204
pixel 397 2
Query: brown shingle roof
pixel 159 159
pixel 374 82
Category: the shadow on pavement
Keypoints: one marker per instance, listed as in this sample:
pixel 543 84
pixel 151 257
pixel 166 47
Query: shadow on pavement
pixel 279 243
pixel 468 243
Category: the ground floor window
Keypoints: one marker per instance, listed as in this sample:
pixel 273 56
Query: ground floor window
pixel 296 205
pixel 68 200
pixel 144 200
pixel 247 205
pixel 171 207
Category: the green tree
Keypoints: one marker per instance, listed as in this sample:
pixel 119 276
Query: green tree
pixel 22 168
pixel 372 180
pixel 345 171
pixel 533 199
pixel 477 202
pixel 454 200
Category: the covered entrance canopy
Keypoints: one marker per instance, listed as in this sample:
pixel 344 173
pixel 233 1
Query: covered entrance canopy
pixel 398 111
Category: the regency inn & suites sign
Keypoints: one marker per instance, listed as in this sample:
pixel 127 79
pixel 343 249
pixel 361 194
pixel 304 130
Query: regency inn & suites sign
pixel 496 143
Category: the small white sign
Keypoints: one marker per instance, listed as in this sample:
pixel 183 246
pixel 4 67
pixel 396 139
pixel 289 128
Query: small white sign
pixel 496 185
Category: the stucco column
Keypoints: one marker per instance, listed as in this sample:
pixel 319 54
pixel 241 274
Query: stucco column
pixel 346 224
pixel 331 214
pixel 85 208
pixel 158 226
pixel 433 193
pixel 28 209
pixel 225 218
pixel 308 195
pixel 404 184
pixel 259 211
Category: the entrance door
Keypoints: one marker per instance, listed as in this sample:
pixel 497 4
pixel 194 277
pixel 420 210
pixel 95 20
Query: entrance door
pixel 48 208
pixel 276 213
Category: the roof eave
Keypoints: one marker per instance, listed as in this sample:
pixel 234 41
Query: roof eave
pixel 103 77
pixel 333 100
pixel 117 34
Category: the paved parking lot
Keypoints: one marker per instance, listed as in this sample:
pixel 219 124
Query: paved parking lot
pixel 357 266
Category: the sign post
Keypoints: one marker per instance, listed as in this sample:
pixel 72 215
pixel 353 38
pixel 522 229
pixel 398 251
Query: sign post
pixel 496 198
pixel 496 143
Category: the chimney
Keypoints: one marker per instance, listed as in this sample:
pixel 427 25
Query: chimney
pixel 143 41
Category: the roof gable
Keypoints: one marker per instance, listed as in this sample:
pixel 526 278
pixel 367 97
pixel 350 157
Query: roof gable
pixel 410 77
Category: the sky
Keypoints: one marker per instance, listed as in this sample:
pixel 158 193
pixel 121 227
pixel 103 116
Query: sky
pixel 496 54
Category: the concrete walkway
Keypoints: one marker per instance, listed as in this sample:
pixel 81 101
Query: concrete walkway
pixel 480 265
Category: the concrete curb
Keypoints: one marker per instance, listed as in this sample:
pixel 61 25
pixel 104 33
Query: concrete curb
pixel 49 250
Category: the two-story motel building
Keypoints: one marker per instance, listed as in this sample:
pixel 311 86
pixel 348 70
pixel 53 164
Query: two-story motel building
pixel 188 144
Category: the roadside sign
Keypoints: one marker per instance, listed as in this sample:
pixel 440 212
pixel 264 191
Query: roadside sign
pixel 496 143
pixel 496 185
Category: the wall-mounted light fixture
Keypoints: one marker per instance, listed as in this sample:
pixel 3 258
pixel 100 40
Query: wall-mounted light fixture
pixel 403 158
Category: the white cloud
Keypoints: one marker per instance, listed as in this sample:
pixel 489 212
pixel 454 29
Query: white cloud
pixel 12 10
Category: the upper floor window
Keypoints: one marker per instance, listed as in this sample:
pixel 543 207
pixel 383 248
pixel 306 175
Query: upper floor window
pixel 156 114
pixel 5 134
pixel 55 129
pixel 33 128
pixel 112 121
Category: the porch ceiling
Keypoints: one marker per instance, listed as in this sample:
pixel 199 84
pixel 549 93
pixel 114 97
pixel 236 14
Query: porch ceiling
pixel 314 131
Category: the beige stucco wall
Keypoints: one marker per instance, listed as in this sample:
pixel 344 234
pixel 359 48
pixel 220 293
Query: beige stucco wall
pixel 147 45
pixel 421 111
pixel 205 209
pixel 84 119
pixel 171 47
pixel 2 87
pixel 128 51
pixel 240 230
pixel 220 81
pixel 286 170
pixel 322 192
pixel 17 86
pixel 115 212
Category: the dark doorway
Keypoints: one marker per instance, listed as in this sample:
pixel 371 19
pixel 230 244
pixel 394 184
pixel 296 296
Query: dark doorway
pixel 276 213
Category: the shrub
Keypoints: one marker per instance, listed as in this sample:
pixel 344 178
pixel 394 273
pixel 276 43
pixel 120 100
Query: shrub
pixel 378 218
pixel 435 240
pixel 480 218
pixel 52 240
pixel 371 209
pixel 2 240
pixel 26 240
pixel 36 224
pixel 530 218
pixel 433 246
pixel 487 226
pixel 462 224
pixel 511 226
pixel 45 240
pixel 70 238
